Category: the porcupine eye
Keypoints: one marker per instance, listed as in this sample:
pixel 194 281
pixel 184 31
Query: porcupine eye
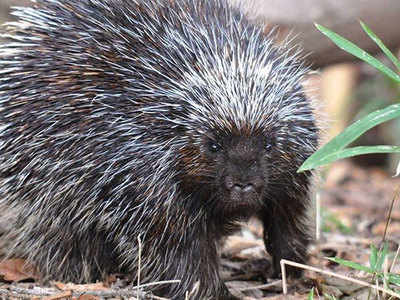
pixel 214 147
pixel 269 143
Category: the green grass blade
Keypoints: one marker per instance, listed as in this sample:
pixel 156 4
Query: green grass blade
pixel 373 258
pixel 354 151
pixel 381 45
pixel 350 264
pixel 311 295
pixel 381 258
pixel 394 278
pixel 353 49
pixel 334 149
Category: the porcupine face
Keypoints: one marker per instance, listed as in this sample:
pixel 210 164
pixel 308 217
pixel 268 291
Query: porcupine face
pixel 241 169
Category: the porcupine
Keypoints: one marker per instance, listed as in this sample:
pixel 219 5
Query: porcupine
pixel 161 121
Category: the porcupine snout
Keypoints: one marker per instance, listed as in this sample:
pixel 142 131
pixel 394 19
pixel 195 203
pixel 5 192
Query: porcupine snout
pixel 243 178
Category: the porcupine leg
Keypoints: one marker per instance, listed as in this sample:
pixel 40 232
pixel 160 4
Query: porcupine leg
pixel 196 266
pixel 285 234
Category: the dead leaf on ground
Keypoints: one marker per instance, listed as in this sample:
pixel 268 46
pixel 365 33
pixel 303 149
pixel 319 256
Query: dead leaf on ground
pixel 16 269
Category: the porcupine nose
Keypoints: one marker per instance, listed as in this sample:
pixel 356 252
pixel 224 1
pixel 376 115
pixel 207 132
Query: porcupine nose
pixel 241 189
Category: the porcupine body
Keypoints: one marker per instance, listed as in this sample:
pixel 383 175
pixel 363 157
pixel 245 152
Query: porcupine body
pixel 159 121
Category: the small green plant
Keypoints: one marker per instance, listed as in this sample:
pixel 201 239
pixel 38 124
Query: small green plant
pixel 336 148
pixel 375 268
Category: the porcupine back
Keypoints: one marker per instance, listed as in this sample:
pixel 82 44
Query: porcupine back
pixel 104 106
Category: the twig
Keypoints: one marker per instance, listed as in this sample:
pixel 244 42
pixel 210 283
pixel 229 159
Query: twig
pixel 396 195
pixel 394 259
pixel 302 266
pixel 389 218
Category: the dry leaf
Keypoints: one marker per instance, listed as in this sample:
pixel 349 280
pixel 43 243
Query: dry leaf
pixel 16 269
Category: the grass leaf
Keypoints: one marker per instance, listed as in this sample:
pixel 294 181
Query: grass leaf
pixel 353 49
pixel 360 150
pixel 334 149
pixel 381 258
pixel 394 278
pixel 381 45
pixel 373 257
pixel 350 264
pixel 311 295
